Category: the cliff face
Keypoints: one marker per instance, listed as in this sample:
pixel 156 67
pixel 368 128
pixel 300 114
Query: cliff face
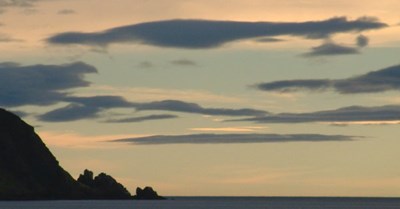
pixel 28 170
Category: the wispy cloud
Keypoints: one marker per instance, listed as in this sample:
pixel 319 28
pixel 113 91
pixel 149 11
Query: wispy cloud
pixel 17 3
pixel 92 107
pixel 233 139
pixel 184 62
pixel 142 118
pixel 186 107
pixel 376 81
pixel 145 65
pixel 195 34
pixel 231 129
pixel 66 12
pixel 4 4
pixel 269 40
pixel 6 38
pixel 347 115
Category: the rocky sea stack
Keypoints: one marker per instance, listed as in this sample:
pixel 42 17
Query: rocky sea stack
pixel 147 194
pixel 29 171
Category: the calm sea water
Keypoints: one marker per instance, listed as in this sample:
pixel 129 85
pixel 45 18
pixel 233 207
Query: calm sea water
pixel 216 203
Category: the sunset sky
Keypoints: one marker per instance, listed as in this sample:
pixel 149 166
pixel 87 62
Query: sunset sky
pixel 214 98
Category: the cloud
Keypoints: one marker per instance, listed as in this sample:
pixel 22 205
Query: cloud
pixel 376 81
pixel 20 113
pixel 91 107
pixel 84 108
pixel 180 106
pixel 231 129
pixel 233 139
pixel 71 112
pixel 6 38
pixel 142 119
pixel 100 101
pixel 184 62
pixel 346 115
pixel 269 40
pixel 362 41
pixel 145 65
pixel 196 34
pixel 330 48
pixel 17 3
pixel 66 12
pixel 40 84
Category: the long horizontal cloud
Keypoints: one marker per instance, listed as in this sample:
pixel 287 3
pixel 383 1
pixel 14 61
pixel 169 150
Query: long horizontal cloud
pixel 376 81
pixel 347 114
pixel 142 118
pixel 233 139
pixel 40 84
pixel 180 106
pixel 210 33
pixel 92 107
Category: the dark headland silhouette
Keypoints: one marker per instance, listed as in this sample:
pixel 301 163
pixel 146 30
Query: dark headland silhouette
pixel 29 171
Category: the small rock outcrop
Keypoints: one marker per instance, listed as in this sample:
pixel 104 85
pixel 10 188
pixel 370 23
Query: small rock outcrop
pixel 147 194
pixel 104 186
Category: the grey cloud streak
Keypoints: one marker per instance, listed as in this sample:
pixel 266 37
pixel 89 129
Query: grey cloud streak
pixel 92 107
pixel 345 114
pixel 184 62
pixel 186 107
pixel 66 12
pixel 233 139
pixel 196 34
pixel 142 118
pixel 376 81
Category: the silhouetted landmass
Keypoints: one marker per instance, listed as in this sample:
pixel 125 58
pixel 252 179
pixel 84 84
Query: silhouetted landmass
pixel 29 171
pixel 147 194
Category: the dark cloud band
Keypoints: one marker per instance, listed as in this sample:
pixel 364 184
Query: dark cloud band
pixel 234 139
pixel 346 114
pixel 376 81
pixel 209 33
pixel 186 107
pixel 91 107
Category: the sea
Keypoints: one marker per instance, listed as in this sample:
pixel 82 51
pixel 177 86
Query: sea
pixel 215 203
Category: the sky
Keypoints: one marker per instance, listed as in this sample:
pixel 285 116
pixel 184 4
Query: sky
pixel 212 98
